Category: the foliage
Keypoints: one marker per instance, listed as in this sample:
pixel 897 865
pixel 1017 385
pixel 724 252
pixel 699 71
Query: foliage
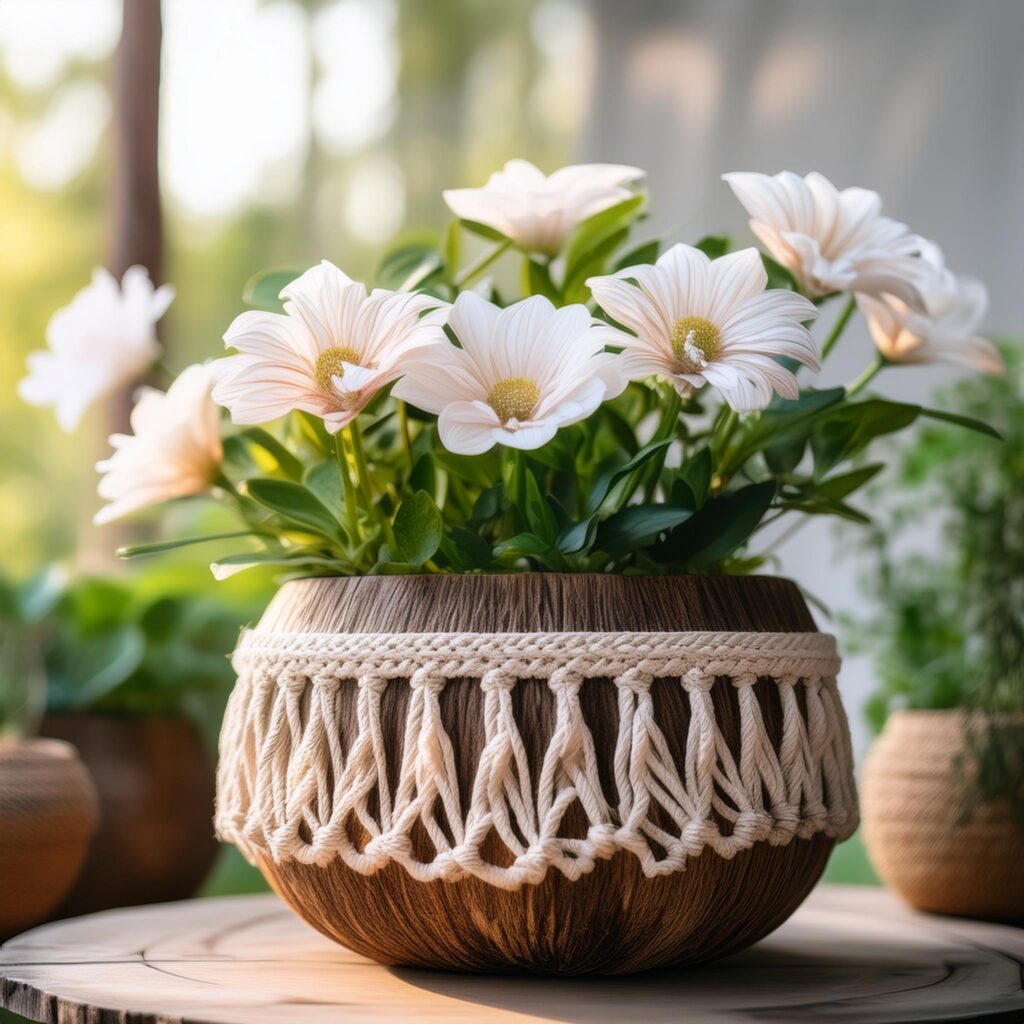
pixel 651 483
pixel 151 643
pixel 949 630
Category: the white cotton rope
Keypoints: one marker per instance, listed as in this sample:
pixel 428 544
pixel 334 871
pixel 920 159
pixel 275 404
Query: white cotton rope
pixel 289 788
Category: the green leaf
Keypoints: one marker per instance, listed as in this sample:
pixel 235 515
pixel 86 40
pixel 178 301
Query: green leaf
pixel 785 420
pixel 229 565
pixel 637 526
pixel 296 503
pixel 134 550
pixel 960 420
pixel 466 550
pixel 778 275
pixel 696 474
pixel 408 267
pixel 638 256
pixel 595 232
pixel 578 536
pixel 539 515
pixel 607 481
pixel 537 280
pixel 263 289
pixel 718 529
pixel 847 430
pixel 483 230
pixel 418 529
pixel 835 488
pixel 824 506
pixel 452 250
pixel 714 246
pixel 527 545
pixel 323 478
pixel 286 462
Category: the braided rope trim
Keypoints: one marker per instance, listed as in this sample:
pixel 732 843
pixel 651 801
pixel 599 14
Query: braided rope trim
pixel 287 790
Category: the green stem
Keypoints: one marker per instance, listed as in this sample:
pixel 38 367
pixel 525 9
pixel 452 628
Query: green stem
pixel 667 428
pixel 481 263
pixel 874 368
pixel 838 327
pixel 351 513
pixel 403 424
pixel 366 482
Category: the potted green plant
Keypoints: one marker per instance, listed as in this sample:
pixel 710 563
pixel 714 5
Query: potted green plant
pixel 132 665
pixel 943 787
pixel 520 701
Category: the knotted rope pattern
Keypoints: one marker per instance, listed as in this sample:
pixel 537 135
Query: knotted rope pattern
pixel 288 789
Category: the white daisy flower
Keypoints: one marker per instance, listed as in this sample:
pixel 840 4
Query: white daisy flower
pixel 943 329
pixel 539 212
pixel 521 373
pixel 105 338
pixel 330 352
pixel 698 321
pixel 830 240
pixel 174 449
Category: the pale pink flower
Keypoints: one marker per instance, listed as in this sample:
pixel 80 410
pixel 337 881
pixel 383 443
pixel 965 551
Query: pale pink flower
pixel 174 449
pixel 943 328
pixel 331 351
pixel 539 212
pixel 829 240
pixel 521 374
pixel 697 321
pixel 105 338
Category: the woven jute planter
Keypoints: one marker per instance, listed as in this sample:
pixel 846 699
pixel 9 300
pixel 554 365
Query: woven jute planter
pixel 921 842
pixel 47 814
pixel 557 773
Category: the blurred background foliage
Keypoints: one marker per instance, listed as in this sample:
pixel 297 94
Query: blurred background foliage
pixel 257 170
pixel 947 629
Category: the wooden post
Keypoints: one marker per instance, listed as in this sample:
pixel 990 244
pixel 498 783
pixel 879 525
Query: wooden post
pixel 137 222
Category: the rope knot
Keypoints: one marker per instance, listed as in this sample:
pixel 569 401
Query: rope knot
pixel 388 846
pixel 373 683
pixel 565 680
pixel 741 679
pixel 635 680
pixel 697 679
pixel 498 679
pixel 427 678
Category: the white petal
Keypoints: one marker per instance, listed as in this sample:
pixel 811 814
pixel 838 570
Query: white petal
pixel 467 428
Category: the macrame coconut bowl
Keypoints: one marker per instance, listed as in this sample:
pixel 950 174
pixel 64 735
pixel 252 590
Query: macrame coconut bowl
pixel 534 771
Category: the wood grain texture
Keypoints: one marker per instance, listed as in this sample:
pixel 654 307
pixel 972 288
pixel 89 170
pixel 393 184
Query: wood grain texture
pixel 614 920
pixel 847 956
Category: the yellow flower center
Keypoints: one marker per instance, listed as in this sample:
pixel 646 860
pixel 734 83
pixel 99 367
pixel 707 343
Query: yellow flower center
pixel 329 365
pixel 695 343
pixel 514 398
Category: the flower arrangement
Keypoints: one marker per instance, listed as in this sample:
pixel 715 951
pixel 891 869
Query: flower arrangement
pixel 630 407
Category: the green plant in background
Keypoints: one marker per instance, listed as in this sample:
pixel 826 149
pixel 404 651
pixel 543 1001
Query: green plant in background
pixel 150 643
pixel 949 628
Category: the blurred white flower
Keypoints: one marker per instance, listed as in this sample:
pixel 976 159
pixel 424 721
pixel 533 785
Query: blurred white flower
pixel 104 338
pixel 698 321
pixel 539 212
pixel 174 449
pixel 829 240
pixel 522 373
pixel 943 328
pixel 330 352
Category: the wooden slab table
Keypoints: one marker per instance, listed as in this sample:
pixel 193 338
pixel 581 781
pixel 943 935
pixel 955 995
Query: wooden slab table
pixel 849 954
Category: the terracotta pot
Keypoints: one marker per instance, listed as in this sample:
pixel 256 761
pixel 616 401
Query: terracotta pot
pixel 47 813
pixel 918 837
pixel 154 778
pixel 456 800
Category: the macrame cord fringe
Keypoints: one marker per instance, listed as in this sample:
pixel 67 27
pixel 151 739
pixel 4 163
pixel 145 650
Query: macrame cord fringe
pixel 288 790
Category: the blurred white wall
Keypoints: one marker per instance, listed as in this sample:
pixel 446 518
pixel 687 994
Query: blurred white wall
pixel 922 100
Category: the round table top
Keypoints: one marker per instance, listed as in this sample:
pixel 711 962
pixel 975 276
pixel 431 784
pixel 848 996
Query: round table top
pixel 848 954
